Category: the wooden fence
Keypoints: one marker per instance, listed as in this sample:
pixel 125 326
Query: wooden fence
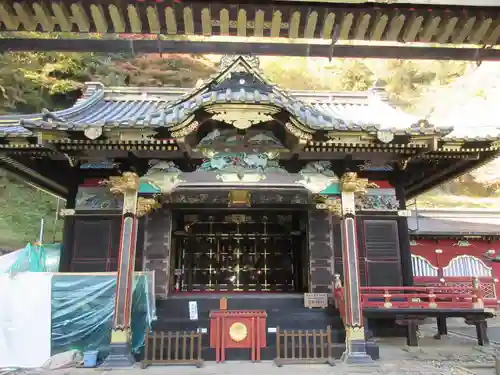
pixel 172 348
pixel 304 347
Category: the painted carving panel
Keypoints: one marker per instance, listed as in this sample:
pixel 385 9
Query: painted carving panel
pixel 97 198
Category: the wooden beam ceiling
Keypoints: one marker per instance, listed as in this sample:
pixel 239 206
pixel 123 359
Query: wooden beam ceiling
pixel 309 20
pixel 270 49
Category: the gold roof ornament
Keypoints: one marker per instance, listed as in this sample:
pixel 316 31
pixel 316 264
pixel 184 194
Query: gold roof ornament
pixel 227 60
pixel 242 116
pixel 126 183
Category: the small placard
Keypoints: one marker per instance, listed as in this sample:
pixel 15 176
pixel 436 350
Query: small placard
pixel 202 330
pixel 193 310
pixel 316 300
pixel 271 330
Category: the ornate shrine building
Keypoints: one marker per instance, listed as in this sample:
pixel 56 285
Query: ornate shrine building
pixel 449 246
pixel 237 188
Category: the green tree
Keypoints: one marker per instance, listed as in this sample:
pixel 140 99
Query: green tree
pixel 21 209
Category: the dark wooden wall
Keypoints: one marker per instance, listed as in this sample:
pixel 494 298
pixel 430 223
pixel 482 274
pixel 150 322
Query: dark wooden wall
pixel 378 249
pixel 157 244
pixel 321 242
pixel 92 244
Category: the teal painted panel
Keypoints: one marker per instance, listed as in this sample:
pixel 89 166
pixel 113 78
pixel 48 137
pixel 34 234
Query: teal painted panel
pixel 333 189
pixel 147 188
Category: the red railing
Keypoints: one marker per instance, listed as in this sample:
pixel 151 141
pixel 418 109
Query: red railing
pixel 420 297
pixel 487 284
pixel 435 297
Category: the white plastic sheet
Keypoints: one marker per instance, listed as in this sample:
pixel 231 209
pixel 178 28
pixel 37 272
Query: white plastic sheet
pixel 7 260
pixel 25 319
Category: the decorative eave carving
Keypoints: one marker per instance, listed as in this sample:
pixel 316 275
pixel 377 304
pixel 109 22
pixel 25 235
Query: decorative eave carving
pixel 377 203
pixel 430 142
pixel 298 133
pixel 146 205
pixel 126 183
pixel 317 176
pixel 452 146
pixel 185 128
pixel 131 134
pixel 332 205
pixel 45 135
pixel 183 132
pixel 242 116
pixel 164 176
pixel 297 129
pixel 350 137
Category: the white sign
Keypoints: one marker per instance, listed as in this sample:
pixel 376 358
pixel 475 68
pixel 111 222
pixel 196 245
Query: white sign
pixel 193 310
pixel 405 213
pixel 271 330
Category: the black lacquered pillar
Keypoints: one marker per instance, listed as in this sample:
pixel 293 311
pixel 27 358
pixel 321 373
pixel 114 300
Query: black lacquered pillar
pixel 120 354
pixel 355 333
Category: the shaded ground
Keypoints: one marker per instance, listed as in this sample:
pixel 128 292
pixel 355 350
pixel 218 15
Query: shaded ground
pixel 444 357
pixel 454 355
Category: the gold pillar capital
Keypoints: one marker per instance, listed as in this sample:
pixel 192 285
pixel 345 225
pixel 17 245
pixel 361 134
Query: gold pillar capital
pixel 146 205
pixel 127 183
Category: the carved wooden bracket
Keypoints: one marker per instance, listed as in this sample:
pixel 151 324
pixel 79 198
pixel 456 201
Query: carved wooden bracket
pixel 146 205
pixel 128 182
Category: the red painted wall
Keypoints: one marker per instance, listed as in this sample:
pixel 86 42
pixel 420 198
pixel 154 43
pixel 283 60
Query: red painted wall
pixel 453 248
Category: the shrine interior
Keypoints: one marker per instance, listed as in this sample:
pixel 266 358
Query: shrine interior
pixel 243 251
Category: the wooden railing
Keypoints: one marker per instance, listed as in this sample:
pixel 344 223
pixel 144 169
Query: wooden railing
pixel 487 284
pixel 444 297
pixel 420 297
pixel 304 347
pixel 172 348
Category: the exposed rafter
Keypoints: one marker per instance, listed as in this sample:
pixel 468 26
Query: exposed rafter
pixel 359 20
pixel 416 52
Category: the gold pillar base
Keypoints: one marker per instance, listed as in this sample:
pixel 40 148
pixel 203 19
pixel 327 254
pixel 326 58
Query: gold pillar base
pixel 121 336
pixel 120 353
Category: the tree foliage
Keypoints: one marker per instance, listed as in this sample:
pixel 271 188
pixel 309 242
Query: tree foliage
pixel 21 209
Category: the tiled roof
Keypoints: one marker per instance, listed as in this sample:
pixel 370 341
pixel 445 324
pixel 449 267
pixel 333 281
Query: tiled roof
pixel 360 111
pixel 469 105
pixel 153 107
pixel 455 222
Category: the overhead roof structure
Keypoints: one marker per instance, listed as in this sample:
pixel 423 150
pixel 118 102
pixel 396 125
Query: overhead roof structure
pixel 454 222
pixel 178 124
pixel 436 22
pixel 148 107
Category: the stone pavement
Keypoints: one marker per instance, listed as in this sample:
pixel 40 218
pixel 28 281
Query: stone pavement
pixel 449 356
pixel 433 357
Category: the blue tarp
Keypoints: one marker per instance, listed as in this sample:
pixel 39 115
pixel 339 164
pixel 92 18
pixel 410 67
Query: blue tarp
pixel 37 258
pixel 82 312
